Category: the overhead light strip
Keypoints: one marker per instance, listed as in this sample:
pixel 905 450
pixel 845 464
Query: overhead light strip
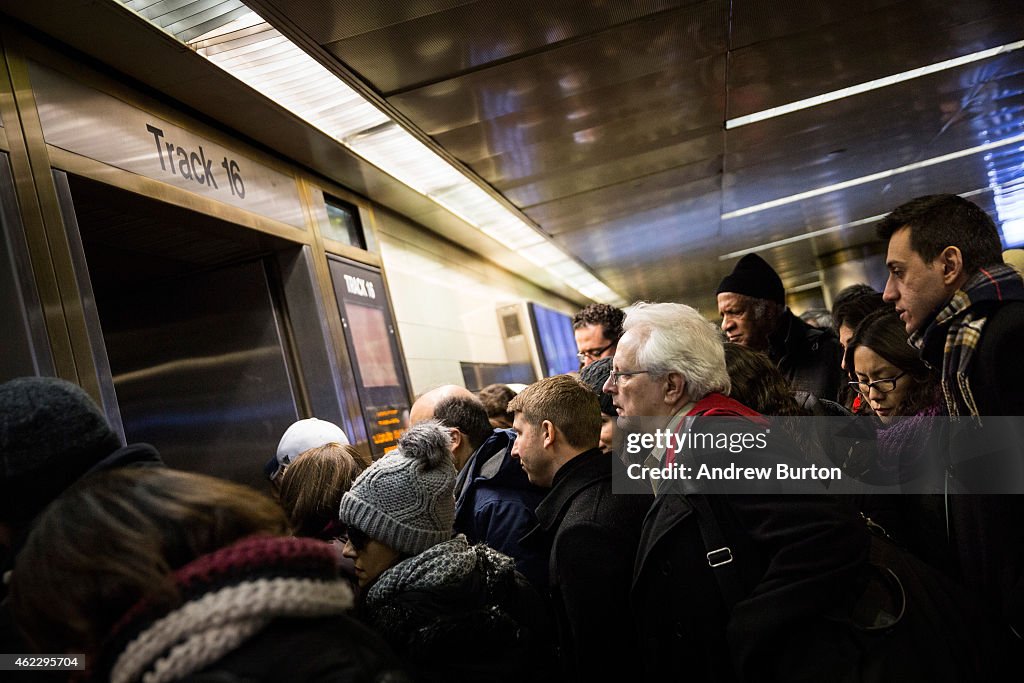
pixel 871 85
pixel 257 54
pixel 823 231
pixel 782 201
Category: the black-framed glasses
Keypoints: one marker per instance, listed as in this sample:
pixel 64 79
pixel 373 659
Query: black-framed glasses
pixel 883 386
pixel 614 375
pixel 357 538
pixel 593 353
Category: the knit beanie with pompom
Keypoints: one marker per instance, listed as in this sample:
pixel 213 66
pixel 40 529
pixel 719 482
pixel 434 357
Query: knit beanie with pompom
pixel 406 499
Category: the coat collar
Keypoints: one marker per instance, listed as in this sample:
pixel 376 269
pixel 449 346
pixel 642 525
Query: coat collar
pixel 583 471
pixel 664 515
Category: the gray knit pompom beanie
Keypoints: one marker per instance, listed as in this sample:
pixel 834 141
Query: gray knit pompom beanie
pixel 406 500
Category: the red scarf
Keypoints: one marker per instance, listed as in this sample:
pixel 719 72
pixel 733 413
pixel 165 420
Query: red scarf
pixel 719 405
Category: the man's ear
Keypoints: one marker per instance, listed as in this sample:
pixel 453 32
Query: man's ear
pixel 952 262
pixel 550 433
pixel 675 388
pixel 457 438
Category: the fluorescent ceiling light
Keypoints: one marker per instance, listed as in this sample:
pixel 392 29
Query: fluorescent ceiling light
pixel 237 40
pixel 870 85
pixel 817 284
pixel 871 177
pixel 818 233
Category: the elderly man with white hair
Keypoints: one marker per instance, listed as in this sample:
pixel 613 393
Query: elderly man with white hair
pixel 730 587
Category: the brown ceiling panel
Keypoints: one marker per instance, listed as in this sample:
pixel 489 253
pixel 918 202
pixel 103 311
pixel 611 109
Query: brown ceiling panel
pixel 643 112
pixel 628 202
pixel 911 122
pixel 756 22
pixel 868 46
pixel 592 179
pixel 609 62
pixel 327 21
pixel 917 111
pixel 962 175
pixel 401 55
pixel 594 157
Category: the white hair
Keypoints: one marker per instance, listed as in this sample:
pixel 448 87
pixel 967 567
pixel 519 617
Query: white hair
pixel 676 338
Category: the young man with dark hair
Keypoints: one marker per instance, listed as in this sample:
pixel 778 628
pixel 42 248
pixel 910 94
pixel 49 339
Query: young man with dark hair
pixel 592 534
pixel 964 310
pixel 597 329
pixel 962 306
pixel 494 500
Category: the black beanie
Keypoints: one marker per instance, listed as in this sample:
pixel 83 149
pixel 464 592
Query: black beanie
pixel 51 433
pixel 595 375
pixel 753 276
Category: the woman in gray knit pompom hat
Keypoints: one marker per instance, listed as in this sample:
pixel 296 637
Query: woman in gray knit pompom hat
pixel 404 502
pixel 429 592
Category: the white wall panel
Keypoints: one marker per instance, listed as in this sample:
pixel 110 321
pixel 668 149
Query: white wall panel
pixel 445 300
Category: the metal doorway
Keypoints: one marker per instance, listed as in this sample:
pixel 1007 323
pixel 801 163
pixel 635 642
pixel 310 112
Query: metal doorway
pixel 188 329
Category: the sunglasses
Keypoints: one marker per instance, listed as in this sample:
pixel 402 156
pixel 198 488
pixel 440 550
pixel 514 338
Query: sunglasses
pixel 357 538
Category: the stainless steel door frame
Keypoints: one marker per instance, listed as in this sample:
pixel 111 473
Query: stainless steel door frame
pixel 101 363
pixel 24 340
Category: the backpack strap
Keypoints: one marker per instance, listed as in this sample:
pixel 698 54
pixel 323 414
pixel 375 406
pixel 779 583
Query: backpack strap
pixel 720 557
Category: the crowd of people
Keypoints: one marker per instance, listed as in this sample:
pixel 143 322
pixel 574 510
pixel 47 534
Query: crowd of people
pixel 495 542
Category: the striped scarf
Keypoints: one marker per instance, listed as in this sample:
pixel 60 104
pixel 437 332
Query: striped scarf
pixel 226 598
pixel 962 320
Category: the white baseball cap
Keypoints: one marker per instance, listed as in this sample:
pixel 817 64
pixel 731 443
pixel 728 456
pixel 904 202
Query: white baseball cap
pixel 299 438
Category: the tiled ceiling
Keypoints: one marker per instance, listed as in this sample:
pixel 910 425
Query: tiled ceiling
pixel 604 120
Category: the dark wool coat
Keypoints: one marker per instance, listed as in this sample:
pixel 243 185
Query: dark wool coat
pixel 593 535
pixel 799 552
pixel 793 556
pixel 986 530
pixel 809 358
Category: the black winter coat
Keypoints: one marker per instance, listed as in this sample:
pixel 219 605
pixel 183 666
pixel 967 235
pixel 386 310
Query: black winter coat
pixel 593 536
pixel 809 358
pixel 801 553
pixel 986 529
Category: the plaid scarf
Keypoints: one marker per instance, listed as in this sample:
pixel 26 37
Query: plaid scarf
pixel 962 320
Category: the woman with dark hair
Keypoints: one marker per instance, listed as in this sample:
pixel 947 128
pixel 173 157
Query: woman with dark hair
pixel 757 383
pixel 906 399
pixel 161 575
pixel 887 371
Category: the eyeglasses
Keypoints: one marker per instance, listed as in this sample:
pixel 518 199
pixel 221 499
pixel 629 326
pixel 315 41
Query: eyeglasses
pixel 357 538
pixel 883 386
pixel 593 353
pixel 614 375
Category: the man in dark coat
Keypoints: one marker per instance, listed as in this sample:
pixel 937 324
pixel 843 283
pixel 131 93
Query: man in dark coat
pixel 592 533
pixel 964 310
pixel 752 303
pixel 794 558
pixel 494 499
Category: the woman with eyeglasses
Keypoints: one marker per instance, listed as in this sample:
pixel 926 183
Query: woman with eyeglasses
pixel 904 454
pixel 888 372
pixel 452 610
